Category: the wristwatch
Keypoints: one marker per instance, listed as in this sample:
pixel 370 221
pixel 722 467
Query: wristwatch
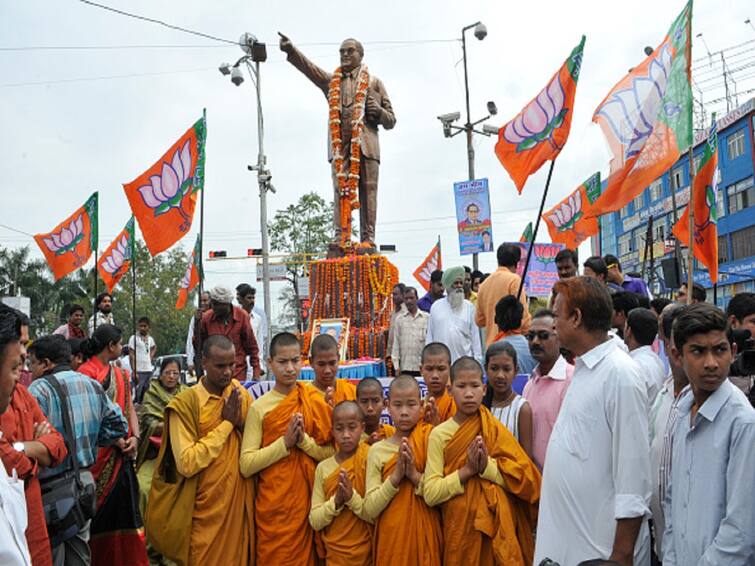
pixel 19 447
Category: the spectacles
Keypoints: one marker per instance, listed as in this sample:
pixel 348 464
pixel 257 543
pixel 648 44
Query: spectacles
pixel 542 335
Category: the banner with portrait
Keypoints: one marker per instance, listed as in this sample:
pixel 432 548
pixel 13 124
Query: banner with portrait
pixel 473 216
pixel 542 273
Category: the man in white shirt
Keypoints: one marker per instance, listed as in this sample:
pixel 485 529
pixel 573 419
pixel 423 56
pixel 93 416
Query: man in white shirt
pixel 246 297
pixel 452 319
pixel 596 478
pixel 103 312
pixel 14 550
pixel 141 351
pixel 409 335
pixel 640 331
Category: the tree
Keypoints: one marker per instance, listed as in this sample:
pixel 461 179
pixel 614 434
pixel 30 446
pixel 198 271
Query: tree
pixel 302 230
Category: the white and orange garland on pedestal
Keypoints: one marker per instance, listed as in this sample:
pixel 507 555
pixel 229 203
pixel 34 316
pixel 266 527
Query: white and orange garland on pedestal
pixel 348 182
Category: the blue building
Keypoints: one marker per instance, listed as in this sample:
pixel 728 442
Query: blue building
pixel 624 233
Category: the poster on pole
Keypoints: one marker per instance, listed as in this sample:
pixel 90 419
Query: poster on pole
pixel 473 216
pixel 542 272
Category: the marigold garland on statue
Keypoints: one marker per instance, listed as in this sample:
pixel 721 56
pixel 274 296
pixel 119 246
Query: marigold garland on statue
pixel 348 182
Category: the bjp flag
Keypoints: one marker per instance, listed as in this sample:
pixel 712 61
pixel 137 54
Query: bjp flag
pixel 538 133
pixel 432 262
pixel 704 201
pixel 526 236
pixel 116 260
pixel 163 197
pixel 191 278
pixel 647 118
pixel 567 223
pixel 70 244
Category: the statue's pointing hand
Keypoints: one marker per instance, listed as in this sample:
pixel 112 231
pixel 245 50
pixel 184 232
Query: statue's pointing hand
pixel 285 44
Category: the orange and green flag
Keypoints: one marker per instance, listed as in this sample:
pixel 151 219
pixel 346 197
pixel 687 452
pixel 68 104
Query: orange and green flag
pixel 567 222
pixel 647 118
pixel 70 244
pixel 538 133
pixel 527 234
pixel 433 261
pixel 163 197
pixel 116 260
pixel 704 203
pixel 191 277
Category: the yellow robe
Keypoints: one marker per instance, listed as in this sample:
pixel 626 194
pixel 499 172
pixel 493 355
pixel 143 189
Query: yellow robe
pixel 344 390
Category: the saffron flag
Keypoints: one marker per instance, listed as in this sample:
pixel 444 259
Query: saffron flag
pixel 191 277
pixel 704 201
pixel 538 133
pixel 116 260
pixel 567 222
pixel 70 244
pixel 432 262
pixel 526 236
pixel 647 118
pixel 163 197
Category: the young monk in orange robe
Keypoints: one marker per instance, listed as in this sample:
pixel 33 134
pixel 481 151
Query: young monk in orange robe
pixel 201 510
pixel 371 401
pixel 324 357
pixel 407 531
pixel 288 430
pixel 435 366
pixel 337 510
pixel 484 482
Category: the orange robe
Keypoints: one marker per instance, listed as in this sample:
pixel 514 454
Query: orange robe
pixel 348 539
pixel 344 390
pixel 383 431
pixel 446 406
pixel 408 532
pixel 487 525
pixel 284 489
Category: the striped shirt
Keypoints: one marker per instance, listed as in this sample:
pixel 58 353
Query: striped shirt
pixel 409 335
pixel 96 420
pixel 509 415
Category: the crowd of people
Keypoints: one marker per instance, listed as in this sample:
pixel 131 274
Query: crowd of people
pixel 606 427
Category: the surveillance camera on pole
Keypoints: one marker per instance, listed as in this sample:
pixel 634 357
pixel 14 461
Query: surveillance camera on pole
pixel 450 117
pixel 480 31
pixel 490 130
pixel 492 108
pixel 237 77
pixel 225 68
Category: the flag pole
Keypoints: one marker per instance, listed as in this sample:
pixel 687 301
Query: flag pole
pixel 201 233
pixel 537 226
pixel 440 255
pixel 134 373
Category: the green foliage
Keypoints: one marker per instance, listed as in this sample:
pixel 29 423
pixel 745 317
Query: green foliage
pixel 157 286
pixel 304 231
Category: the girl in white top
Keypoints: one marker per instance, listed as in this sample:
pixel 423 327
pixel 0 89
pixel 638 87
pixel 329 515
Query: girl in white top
pixel 510 409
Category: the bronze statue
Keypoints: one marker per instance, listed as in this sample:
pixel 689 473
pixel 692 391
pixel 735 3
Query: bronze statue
pixel 362 98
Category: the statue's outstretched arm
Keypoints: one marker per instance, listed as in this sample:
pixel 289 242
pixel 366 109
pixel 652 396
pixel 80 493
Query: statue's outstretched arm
pixel 318 76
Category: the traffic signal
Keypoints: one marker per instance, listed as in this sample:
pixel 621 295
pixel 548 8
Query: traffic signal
pixel 254 252
pixel 218 253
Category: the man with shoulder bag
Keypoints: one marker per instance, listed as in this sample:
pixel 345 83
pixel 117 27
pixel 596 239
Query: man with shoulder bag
pixel 77 407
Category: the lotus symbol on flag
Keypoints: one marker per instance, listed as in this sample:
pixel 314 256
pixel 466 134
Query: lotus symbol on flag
pixel 187 276
pixel 167 190
pixel 119 254
pixel 67 239
pixel 546 254
pixel 567 213
pixel 539 119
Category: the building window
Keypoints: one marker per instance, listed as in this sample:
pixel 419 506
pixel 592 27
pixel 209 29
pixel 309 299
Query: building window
pixel 639 201
pixel 625 244
pixel 723 250
pixel 677 178
pixel 696 163
pixel 742 243
pixel 639 238
pixel 720 207
pixel 659 229
pixel 740 195
pixel 736 144
pixel 656 190
pixel 624 212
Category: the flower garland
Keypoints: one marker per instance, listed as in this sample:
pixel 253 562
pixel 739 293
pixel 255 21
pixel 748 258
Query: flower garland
pixel 348 181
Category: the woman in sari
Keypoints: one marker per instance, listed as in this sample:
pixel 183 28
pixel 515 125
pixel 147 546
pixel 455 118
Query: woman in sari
pixel 161 391
pixel 117 531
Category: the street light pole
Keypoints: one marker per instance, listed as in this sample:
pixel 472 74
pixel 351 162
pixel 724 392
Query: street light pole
pixel 468 125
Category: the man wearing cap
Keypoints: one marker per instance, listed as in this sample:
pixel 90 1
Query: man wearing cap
pixel 452 319
pixel 233 322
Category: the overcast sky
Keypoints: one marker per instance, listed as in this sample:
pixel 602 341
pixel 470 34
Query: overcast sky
pixel 64 138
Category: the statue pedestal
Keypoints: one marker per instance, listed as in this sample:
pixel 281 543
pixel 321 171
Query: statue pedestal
pixel 357 287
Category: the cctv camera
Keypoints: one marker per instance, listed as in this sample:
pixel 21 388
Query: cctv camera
pixel 237 77
pixel 492 108
pixel 490 130
pixel 480 31
pixel 246 41
pixel 450 117
pixel 225 68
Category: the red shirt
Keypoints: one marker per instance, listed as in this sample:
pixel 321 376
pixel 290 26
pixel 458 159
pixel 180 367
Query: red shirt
pixel 239 330
pixel 17 425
